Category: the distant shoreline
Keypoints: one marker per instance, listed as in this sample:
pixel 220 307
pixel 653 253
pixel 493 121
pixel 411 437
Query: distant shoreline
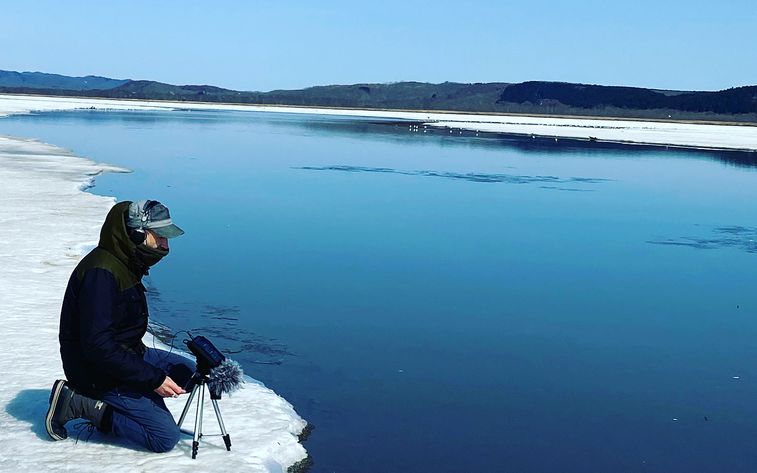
pixel 529 98
pixel 390 110
pixel 685 134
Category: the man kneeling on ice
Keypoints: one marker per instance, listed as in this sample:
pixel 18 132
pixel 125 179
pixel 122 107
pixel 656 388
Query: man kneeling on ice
pixel 114 381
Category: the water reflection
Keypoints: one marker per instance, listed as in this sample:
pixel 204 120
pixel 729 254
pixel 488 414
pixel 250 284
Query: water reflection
pixel 472 177
pixel 405 130
pixel 222 323
pixel 735 236
pixel 392 131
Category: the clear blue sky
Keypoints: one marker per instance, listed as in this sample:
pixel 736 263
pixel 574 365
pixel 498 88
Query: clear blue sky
pixel 264 45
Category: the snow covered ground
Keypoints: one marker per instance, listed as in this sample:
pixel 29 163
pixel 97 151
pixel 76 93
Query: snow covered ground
pixel 741 137
pixel 46 223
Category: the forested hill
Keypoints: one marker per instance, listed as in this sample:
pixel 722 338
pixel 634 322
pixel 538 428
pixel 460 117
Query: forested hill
pixel 741 100
pixel 553 98
pixel 41 80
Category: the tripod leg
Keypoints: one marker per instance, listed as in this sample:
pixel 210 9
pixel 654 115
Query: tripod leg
pixel 226 438
pixel 198 423
pixel 187 405
pixel 202 407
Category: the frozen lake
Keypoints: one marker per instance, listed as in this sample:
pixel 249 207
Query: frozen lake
pixel 451 303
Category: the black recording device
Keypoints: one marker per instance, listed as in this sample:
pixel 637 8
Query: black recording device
pixel 208 356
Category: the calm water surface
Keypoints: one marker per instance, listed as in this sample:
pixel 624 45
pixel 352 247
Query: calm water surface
pixel 436 302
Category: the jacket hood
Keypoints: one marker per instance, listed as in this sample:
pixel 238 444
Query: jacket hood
pixel 115 251
pixel 113 236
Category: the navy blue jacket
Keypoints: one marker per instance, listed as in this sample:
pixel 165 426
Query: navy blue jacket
pixel 104 317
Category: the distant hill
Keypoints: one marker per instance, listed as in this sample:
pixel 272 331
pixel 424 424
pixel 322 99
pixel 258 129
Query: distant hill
pixel 740 100
pixel 41 80
pixel 537 98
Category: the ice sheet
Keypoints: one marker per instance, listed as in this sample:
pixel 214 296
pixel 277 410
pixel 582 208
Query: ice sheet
pixel 741 137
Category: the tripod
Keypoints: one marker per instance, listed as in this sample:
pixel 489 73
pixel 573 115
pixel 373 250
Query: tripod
pixel 201 381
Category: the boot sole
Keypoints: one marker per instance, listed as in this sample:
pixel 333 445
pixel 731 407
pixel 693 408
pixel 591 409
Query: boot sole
pixel 57 388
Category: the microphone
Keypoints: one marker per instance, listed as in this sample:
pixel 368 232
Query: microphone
pixel 225 378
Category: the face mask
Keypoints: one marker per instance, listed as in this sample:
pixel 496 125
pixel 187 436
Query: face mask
pixel 150 256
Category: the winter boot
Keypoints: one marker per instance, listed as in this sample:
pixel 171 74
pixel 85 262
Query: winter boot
pixel 66 405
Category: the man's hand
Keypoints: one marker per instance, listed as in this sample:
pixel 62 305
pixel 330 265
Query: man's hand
pixel 169 388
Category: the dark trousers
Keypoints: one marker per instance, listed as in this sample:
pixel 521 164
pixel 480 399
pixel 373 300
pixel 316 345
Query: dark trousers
pixel 143 418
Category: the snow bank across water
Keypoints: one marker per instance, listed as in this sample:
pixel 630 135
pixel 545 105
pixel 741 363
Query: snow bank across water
pixel 696 135
pixel 46 222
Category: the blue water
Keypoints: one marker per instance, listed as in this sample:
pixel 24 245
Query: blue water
pixel 436 302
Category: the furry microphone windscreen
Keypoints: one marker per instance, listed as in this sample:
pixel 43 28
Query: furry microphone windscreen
pixel 225 378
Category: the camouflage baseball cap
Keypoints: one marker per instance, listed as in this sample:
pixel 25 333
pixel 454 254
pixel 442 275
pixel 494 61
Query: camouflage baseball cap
pixel 152 215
